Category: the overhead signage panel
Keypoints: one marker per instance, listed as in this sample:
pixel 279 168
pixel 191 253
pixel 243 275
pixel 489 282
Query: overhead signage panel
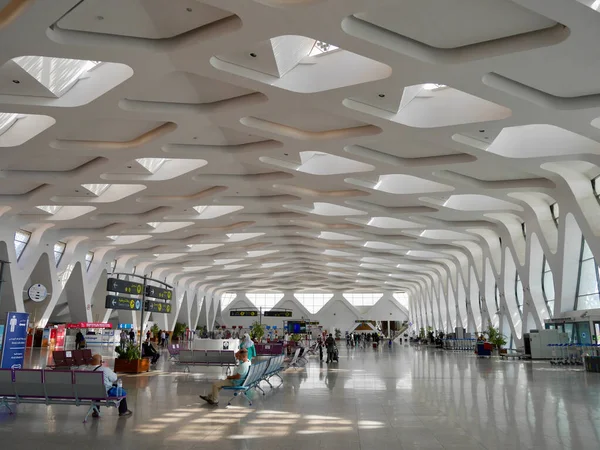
pixel 124 287
pixel 157 307
pixel 278 313
pixel 240 313
pixel 160 293
pixel 117 302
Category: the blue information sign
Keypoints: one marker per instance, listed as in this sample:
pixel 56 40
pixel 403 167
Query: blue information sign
pixel 1 335
pixel 14 341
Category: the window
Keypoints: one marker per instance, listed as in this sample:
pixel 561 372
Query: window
pixel 59 251
pixel 402 298
pixel 113 265
pixel 21 240
pixel 555 213
pixel 519 293
pixel 89 257
pixel 227 298
pixel 497 297
pixel 313 301
pixel 596 187
pixel 362 298
pixel 548 286
pixel 587 284
pixel 264 300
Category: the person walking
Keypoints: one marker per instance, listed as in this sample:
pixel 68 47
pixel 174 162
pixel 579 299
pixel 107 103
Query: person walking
pixel 79 340
pixel 330 344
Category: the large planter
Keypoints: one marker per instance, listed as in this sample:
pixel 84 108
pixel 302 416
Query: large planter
pixel 133 366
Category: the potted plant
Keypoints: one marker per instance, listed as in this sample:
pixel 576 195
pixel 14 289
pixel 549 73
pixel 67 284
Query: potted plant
pixel 178 331
pixel 496 338
pixel 155 330
pixel 130 360
pixel 257 331
pixel 338 334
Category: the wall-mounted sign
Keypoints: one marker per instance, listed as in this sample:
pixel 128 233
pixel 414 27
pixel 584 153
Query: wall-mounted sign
pixel 89 325
pixel 116 302
pixel 124 287
pixel 278 313
pixel 37 292
pixel 156 292
pixel 157 307
pixel 239 313
pixel 15 339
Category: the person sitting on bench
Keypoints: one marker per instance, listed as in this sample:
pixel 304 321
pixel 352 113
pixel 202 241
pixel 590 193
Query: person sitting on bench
pixel 110 379
pixel 232 380
pixel 149 351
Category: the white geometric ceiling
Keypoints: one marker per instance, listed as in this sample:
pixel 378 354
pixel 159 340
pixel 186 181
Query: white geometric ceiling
pixel 214 139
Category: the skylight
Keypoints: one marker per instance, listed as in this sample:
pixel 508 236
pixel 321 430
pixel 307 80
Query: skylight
pixel 50 209
pixel 58 75
pixel 321 48
pixel 96 189
pixel 7 120
pixel 152 164
pixel 433 86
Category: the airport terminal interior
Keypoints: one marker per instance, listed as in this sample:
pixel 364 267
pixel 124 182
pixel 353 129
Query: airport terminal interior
pixel 392 207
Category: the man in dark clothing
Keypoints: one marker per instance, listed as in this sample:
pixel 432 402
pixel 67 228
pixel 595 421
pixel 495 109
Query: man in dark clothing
pixel 79 340
pixel 330 344
pixel 148 350
pixel 132 336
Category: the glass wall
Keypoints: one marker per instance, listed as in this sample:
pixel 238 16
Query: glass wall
pixel 548 286
pixel 362 298
pixel 227 298
pixel 313 301
pixel 519 293
pixel 264 300
pixel 587 286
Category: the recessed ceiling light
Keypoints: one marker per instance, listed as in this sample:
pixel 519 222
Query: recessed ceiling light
pixel 16 81
pixel 100 17
pixel 381 95
pixel 253 55
pixel 188 9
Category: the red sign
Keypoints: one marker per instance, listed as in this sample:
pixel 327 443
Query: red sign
pixel 60 336
pixel 89 325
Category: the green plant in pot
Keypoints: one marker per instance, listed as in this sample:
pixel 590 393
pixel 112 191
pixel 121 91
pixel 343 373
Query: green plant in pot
pixel 130 360
pixel 179 330
pixel 257 331
pixel 155 330
pixel 130 352
pixel 495 338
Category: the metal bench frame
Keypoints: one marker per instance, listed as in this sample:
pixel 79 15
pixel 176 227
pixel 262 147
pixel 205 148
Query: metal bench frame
pixel 50 387
pixel 220 358
pixel 259 372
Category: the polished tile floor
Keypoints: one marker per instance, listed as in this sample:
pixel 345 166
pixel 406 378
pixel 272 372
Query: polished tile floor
pixel 399 398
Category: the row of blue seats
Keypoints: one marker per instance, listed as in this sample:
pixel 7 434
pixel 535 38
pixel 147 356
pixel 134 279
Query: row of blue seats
pixel 258 372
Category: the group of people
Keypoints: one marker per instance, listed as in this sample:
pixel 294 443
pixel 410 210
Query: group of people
pixel 163 337
pixel 361 340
